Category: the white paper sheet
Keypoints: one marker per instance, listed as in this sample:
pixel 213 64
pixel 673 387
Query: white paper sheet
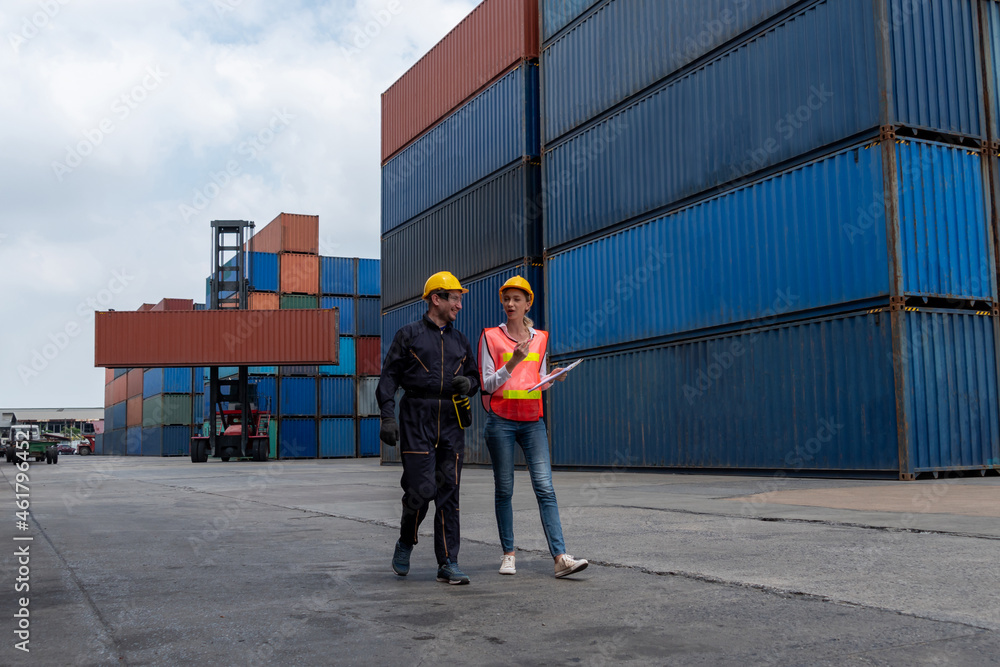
pixel 555 374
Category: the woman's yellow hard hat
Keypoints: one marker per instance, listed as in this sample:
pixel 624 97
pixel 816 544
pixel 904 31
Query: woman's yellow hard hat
pixel 521 284
pixel 442 280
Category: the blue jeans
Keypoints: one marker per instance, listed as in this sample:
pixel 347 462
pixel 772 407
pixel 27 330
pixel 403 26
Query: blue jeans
pixel 501 434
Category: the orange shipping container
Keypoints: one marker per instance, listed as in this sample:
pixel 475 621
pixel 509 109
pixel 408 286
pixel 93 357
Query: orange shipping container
pixel 133 411
pixel 134 382
pixel 299 274
pixel 288 232
pixel 264 301
pixel 108 402
pixel 494 36
pixel 215 338
pixel 119 388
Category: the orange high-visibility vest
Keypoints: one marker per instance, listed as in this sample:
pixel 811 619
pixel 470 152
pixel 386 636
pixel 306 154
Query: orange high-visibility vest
pixel 513 400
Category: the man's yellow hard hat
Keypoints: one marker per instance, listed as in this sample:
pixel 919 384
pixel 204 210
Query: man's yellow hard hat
pixel 442 280
pixel 521 284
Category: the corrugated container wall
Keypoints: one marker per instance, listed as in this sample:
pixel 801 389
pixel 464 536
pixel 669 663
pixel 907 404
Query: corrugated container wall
pixel 557 14
pixel 368 440
pixel 133 382
pixel 348 364
pixel 369 317
pixel 336 438
pixel 210 337
pixel 336 396
pixel 809 238
pixel 492 131
pixel 345 304
pixel 369 277
pixel 488 225
pixel 297 438
pixel 338 275
pixel 638 159
pixel 775 398
pixel 990 12
pixel 626 45
pixel 299 273
pixel 264 301
pixel 494 36
pixel 367 405
pixel 369 356
pixel 298 396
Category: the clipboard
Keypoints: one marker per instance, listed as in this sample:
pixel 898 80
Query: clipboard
pixel 552 376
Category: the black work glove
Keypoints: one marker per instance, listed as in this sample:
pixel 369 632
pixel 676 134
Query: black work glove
pixel 389 432
pixel 461 385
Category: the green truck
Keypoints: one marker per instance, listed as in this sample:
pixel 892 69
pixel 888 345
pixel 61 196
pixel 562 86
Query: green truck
pixel 26 442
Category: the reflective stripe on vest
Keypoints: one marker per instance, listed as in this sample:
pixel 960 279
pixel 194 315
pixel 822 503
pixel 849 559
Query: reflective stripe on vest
pixel 513 400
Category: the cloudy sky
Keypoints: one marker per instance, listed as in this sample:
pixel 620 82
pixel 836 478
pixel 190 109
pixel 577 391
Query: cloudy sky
pixel 125 127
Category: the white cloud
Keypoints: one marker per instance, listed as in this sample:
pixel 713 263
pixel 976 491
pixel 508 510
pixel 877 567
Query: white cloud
pixel 116 114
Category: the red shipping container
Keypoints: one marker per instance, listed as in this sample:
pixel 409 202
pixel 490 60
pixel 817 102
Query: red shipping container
pixel 133 411
pixel 144 307
pixel 299 273
pixel 173 304
pixel 264 301
pixel 134 382
pixel 109 375
pixel 215 338
pixel 369 354
pixel 108 402
pixel 494 36
pixel 119 389
pixel 288 232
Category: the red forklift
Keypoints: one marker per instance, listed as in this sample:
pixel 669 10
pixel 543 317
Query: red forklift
pixel 238 426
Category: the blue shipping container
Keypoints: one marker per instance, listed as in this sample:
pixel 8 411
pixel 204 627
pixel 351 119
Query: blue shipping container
pixel 115 442
pixel 267 392
pixel 347 356
pixel 99 443
pixel 346 317
pixel 811 237
pixel 262 270
pixel 729 118
pixel 557 14
pixel 480 309
pixel 166 441
pixel 493 223
pixel 991 34
pixel 337 275
pixel 119 415
pixel 133 435
pixel 120 372
pixel 166 381
pixel 370 316
pixel 369 443
pixel 297 439
pixel 493 130
pixel 369 277
pixel 336 396
pixel 625 46
pixel 263 370
pixel 336 438
pixel 808 396
pixel 297 396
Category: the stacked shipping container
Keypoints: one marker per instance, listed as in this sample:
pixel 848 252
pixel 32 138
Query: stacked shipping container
pixel 773 240
pixel 319 411
pixel 461 175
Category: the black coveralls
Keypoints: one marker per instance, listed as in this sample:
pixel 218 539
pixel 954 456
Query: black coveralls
pixel 423 360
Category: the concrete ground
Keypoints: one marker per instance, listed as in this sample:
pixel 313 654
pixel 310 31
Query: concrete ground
pixel 164 562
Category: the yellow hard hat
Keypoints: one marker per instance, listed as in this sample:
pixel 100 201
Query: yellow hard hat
pixel 521 284
pixel 443 280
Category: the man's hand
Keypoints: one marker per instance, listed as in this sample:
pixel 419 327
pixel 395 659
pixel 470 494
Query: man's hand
pixel 461 385
pixel 389 432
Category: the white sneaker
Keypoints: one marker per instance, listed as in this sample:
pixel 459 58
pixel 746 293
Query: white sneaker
pixel 567 565
pixel 507 564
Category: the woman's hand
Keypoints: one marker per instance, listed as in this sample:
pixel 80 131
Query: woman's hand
pixel 561 378
pixel 519 355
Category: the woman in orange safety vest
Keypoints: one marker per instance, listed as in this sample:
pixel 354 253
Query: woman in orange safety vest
pixel 512 361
